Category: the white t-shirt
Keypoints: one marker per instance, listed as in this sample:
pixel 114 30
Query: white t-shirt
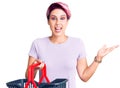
pixel 60 59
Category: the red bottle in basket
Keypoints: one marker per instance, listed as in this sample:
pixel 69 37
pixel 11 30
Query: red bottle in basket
pixel 31 75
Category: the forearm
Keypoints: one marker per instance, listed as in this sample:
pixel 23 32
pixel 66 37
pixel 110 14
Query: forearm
pixel 90 70
pixel 84 71
pixel 31 61
pixel 26 73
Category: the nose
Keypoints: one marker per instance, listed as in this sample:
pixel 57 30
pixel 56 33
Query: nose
pixel 57 21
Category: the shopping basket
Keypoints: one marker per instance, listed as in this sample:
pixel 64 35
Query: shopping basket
pixel 31 83
pixel 20 83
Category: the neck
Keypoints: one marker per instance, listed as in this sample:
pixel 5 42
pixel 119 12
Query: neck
pixel 58 39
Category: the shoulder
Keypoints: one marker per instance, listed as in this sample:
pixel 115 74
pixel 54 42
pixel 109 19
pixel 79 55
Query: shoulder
pixel 76 42
pixel 40 40
pixel 75 39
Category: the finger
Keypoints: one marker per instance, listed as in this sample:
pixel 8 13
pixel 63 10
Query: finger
pixel 41 66
pixel 104 47
pixel 38 60
pixel 113 47
pixel 116 46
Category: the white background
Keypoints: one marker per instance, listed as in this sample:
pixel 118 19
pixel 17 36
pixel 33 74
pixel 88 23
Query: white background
pixel 97 22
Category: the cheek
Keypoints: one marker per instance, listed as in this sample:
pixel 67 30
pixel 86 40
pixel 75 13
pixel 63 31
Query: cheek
pixel 50 24
pixel 65 24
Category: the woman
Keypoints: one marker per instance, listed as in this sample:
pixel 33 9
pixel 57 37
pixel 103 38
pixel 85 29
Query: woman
pixel 63 54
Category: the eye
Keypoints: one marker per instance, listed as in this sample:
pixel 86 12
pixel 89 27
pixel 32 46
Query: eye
pixel 62 18
pixel 53 18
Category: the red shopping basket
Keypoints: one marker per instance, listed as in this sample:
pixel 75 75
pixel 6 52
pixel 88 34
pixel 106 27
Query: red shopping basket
pixel 31 83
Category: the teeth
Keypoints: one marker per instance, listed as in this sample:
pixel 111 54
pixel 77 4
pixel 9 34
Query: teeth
pixel 57 29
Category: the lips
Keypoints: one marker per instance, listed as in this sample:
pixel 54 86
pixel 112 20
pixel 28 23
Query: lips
pixel 58 29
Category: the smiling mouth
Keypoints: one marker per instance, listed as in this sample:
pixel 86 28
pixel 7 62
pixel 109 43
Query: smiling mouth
pixel 58 29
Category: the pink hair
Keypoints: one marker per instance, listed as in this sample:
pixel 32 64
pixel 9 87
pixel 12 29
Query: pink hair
pixel 59 5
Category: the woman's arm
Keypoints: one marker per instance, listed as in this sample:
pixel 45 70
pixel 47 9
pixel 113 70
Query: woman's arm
pixel 84 71
pixel 31 60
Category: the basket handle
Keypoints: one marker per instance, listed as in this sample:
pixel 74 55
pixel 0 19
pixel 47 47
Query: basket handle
pixel 31 75
pixel 44 75
pixel 31 70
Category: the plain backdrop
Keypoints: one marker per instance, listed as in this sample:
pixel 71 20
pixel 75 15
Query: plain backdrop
pixel 96 22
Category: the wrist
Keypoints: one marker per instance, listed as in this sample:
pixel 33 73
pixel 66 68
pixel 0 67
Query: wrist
pixel 97 60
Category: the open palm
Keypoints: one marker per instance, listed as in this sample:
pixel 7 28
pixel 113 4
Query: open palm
pixel 105 50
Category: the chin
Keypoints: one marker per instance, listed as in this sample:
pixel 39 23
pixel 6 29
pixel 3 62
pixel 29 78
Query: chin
pixel 58 34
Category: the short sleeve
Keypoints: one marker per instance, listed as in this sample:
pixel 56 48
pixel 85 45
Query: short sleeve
pixel 82 52
pixel 33 51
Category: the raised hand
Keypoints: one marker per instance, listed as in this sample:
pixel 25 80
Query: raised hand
pixel 105 50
